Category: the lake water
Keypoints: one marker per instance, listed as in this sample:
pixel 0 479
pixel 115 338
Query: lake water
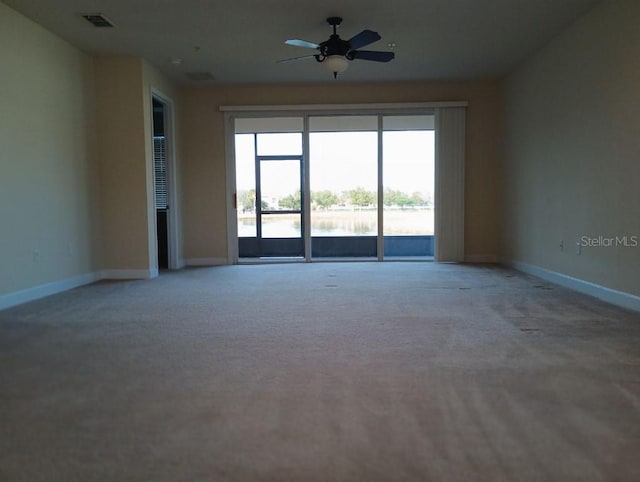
pixel 342 223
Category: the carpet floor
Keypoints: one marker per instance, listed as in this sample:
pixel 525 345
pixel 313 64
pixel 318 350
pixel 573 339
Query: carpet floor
pixel 321 372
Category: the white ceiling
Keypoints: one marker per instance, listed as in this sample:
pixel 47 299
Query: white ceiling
pixel 239 41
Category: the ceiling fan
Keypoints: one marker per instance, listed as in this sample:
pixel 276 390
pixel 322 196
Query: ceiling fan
pixel 336 53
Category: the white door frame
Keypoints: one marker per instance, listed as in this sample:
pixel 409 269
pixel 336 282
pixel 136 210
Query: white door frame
pixel 304 111
pixel 173 218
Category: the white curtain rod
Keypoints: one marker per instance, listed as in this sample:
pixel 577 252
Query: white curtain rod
pixel 341 107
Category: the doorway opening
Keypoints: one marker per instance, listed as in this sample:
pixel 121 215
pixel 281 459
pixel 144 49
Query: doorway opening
pixel 160 169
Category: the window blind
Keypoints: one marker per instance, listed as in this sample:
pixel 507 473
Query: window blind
pixel 160 171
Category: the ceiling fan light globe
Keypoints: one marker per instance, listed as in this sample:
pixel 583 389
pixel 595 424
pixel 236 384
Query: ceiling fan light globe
pixel 335 63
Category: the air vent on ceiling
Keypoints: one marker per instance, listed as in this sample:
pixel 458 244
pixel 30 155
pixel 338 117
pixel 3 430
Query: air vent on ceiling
pixel 97 20
pixel 199 76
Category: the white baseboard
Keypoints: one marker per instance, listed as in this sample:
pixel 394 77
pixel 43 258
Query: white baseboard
pixel 615 297
pixel 31 294
pixel 481 258
pixel 129 273
pixel 206 261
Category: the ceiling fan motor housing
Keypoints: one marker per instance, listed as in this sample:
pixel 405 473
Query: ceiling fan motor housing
pixel 335 45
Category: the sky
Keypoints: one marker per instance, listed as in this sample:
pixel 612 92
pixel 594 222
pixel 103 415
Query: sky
pixel 340 161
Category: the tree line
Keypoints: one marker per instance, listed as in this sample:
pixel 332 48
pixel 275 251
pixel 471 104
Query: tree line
pixel 327 199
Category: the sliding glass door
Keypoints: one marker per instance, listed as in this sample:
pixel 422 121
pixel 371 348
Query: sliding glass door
pixel 408 161
pixel 269 189
pixel 344 184
pixel 364 184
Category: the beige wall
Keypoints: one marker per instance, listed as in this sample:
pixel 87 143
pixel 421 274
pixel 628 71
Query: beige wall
pixel 48 220
pixel 203 156
pixel 572 163
pixel 76 183
pixel 124 87
pixel 122 160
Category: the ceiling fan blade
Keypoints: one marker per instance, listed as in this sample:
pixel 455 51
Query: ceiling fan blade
pixel 365 37
pixel 301 43
pixel 372 55
pixel 293 59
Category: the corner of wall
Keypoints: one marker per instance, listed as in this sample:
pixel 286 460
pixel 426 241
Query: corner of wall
pixel 570 203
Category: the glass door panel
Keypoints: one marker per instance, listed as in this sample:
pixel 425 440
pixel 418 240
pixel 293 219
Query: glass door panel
pixel 269 188
pixel 344 184
pixel 280 207
pixel 280 185
pixel 408 186
pixel 281 226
